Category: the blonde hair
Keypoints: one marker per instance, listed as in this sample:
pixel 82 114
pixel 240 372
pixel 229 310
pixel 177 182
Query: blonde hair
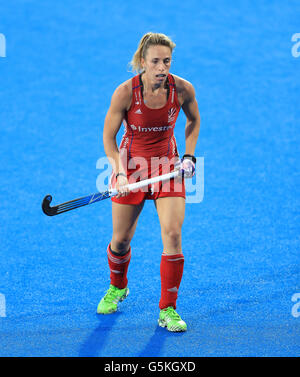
pixel 149 39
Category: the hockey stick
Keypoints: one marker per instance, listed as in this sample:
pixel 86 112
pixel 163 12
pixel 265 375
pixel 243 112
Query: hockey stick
pixel 93 198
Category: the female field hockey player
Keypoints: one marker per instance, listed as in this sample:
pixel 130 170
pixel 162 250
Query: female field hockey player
pixel 148 105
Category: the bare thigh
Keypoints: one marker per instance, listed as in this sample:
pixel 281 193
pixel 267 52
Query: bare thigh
pixel 171 212
pixel 124 217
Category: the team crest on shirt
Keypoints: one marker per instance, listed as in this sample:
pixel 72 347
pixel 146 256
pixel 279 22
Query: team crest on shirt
pixel 171 114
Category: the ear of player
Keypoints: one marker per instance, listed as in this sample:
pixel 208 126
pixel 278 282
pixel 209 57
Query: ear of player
pixel 188 165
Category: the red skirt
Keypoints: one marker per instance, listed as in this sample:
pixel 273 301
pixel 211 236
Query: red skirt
pixel 172 188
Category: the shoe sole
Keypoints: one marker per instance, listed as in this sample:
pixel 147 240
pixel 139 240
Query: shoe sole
pixel 162 323
pixel 121 299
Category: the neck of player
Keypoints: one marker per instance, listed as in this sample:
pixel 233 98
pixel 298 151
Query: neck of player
pixel 151 85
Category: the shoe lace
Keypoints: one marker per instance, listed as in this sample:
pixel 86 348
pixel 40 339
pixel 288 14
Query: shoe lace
pixel 110 295
pixel 172 313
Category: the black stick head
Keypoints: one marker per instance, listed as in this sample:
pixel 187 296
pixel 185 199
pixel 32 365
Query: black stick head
pixel 49 211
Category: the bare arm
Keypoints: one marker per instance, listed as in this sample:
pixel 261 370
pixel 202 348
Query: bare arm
pixel 120 101
pixel 190 108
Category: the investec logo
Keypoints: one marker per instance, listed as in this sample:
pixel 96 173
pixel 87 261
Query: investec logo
pixel 150 129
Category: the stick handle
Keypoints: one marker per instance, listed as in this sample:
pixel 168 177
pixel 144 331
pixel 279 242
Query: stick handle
pixel 149 181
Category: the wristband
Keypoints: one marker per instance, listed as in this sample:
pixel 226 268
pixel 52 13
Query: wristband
pixel 189 157
pixel 123 174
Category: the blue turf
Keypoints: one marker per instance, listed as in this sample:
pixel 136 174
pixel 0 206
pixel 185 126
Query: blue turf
pixel 241 244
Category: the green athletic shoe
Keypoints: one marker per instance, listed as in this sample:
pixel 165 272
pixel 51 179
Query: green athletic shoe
pixel 170 319
pixel 109 303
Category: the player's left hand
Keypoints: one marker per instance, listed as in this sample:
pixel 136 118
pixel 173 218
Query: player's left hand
pixel 188 166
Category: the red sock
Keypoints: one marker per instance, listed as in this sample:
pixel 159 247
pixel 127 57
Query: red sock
pixel 118 266
pixel 171 270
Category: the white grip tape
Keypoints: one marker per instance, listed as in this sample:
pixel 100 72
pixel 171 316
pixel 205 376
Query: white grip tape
pixel 146 182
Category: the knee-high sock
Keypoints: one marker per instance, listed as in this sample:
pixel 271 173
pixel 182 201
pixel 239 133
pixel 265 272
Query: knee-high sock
pixel 171 270
pixel 118 266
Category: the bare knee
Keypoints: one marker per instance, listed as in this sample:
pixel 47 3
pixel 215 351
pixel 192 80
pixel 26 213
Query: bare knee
pixel 172 236
pixel 120 243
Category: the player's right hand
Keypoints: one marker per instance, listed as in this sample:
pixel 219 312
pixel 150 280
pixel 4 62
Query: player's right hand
pixel 121 184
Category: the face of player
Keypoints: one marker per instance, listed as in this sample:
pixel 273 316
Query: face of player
pixel 157 64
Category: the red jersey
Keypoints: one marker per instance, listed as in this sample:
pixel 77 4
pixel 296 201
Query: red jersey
pixel 150 132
